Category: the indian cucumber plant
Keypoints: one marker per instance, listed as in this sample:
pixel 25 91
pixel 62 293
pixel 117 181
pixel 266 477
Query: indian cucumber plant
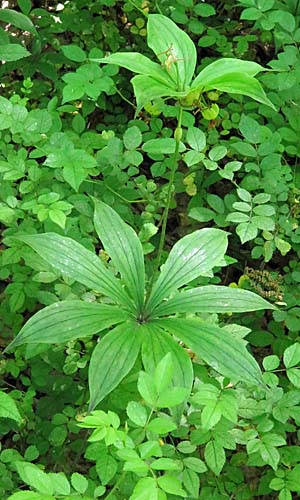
pixel 129 371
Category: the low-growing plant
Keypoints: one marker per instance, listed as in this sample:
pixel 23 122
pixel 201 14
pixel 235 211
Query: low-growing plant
pixel 143 314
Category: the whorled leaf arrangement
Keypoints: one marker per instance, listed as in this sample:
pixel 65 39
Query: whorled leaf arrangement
pixel 173 76
pixel 140 323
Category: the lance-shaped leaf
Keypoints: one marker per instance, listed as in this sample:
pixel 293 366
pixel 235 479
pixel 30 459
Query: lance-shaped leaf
pixel 147 88
pixel 173 47
pixel 224 352
pixel 213 299
pixel 125 249
pixel 156 344
pixel 112 359
pixel 239 83
pixel 74 260
pixel 137 63
pixel 192 256
pixel 68 320
pixel 225 66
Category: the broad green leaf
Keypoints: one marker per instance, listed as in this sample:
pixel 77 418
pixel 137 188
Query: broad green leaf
pixel 146 489
pixel 112 359
pixel 214 455
pixel 68 320
pixel 74 53
pixel 171 484
pixel 225 66
pixel 146 388
pixel 163 373
pixel 137 63
pixel 8 407
pixel 35 477
pixel 125 249
pixel 196 138
pixel 106 466
pixel 165 464
pixel 167 40
pixel 60 483
pixel 17 19
pixel 29 495
pixel 213 299
pixel 172 397
pixel 192 256
pixel 224 352
pixel 79 482
pixel 161 425
pixel 146 88
pixel 74 260
pixel 291 356
pixel 191 482
pixel 137 413
pixel 157 343
pixel 240 83
pixel 163 145
pixel 13 52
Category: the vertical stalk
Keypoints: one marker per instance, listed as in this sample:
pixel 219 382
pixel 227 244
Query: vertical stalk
pixel 177 136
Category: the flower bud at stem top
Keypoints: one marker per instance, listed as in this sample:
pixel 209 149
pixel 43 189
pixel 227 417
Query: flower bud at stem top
pixel 178 134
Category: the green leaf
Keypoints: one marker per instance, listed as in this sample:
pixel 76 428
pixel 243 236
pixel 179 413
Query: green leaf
pixel 29 495
pixel 17 19
pixel 60 483
pixel 191 482
pixel 192 256
pixel 163 373
pixel 240 83
pixel 215 456
pixel 291 356
pixel 74 260
pixel 161 425
pixel 224 352
pixel 213 299
pixel 74 53
pixel 171 485
pixel 223 67
pixel 8 408
pixel 165 464
pixel 137 63
pixel 164 146
pixel 67 320
pixel 79 482
pixel 146 489
pixel 137 413
pixel 13 52
pixel 155 345
pixel 293 375
pixel 132 138
pixel 125 249
pixel 106 467
pixel 196 138
pixel 195 464
pixel 250 129
pixel 246 231
pixel 147 88
pixel 146 388
pixel 35 477
pixel 172 397
pixel 112 359
pixel 163 35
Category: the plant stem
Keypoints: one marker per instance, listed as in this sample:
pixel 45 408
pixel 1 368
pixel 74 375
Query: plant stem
pixel 168 203
pixel 116 486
